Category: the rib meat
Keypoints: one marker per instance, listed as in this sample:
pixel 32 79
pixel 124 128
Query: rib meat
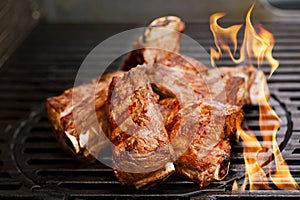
pixel 142 155
pixel 232 85
pixel 198 133
pixel 253 79
pixel 72 117
pixel 190 87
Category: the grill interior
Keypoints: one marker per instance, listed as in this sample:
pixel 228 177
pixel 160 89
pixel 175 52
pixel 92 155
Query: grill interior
pixel 32 165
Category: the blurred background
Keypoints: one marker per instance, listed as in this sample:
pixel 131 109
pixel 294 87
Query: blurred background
pixel 18 18
pixel 143 11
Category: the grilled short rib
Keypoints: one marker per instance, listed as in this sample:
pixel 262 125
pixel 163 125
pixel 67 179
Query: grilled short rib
pixel 142 155
pixel 253 79
pixel 199 136
pixel 199 93
pixel 232 85
pixel 160 40
pixel 71 115
pixel 188 86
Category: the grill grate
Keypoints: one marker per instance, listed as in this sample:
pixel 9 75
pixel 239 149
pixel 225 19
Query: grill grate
pixel 32 165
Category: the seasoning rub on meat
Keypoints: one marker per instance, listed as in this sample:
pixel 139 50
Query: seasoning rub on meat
pixel 142 154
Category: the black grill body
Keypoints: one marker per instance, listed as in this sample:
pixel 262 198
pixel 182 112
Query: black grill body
pixel 33 166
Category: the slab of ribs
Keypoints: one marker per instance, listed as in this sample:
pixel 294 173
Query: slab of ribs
pixel 161 113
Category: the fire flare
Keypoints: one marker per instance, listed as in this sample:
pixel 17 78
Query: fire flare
pixel 256 49
pixel 253 154
pixel 281 177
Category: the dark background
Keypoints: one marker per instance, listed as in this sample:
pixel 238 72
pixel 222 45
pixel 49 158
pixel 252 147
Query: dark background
pixel 144 11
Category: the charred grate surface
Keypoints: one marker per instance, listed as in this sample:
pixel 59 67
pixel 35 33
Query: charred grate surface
pixel 32 165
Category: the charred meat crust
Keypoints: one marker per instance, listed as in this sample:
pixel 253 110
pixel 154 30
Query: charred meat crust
pixel 204 152
pixel 212 121
pixel 190 86
pixel 141 150
pixel 232 85
pixel 252 77
pixel 61 110
pixel 183 62
pixel 213 166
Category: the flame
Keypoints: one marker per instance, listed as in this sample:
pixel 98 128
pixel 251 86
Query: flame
pixel 221 37
pixel 237 189
pixel 256 49
pixel 282 177
pixel 252 155
pixel 255 46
